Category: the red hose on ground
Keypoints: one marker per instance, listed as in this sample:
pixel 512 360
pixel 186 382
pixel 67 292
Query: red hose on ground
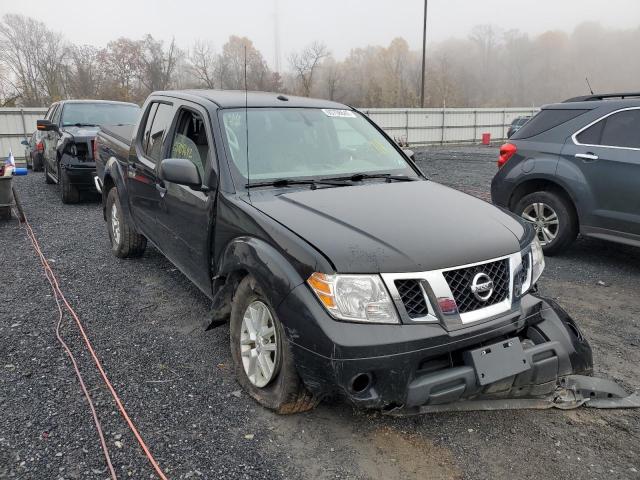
pixel 59 295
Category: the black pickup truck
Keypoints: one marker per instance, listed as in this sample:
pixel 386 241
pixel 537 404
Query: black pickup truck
pixel 69 129
pixel 341 268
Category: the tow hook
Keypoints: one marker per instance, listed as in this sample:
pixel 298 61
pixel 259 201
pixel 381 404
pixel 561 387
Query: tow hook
pixel 572 391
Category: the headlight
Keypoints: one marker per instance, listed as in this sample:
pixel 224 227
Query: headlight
pixel 537 261
pixel 355 298
pixel 532 267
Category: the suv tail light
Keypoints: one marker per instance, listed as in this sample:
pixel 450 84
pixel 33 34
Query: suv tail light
pixel 507 151
pixel 40 146
pixel 94 149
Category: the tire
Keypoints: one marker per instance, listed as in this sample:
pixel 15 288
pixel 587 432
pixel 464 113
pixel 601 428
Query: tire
pixel 37 164
pixel 126 243
pixel 68 193
pixel 47 178
pixel 284 393
pixel 564 230
pixel 5 213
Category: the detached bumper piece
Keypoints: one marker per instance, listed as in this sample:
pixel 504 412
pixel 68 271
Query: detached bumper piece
pixel 572 392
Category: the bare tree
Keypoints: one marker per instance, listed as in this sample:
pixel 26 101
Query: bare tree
pixel 305 63
pixel 205 63
pixel 122 59
pixel 20 44
pixel 85 74
pixel 157 65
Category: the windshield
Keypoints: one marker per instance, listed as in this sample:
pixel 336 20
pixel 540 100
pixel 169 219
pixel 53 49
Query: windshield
pixel 308 142
pixel 99 114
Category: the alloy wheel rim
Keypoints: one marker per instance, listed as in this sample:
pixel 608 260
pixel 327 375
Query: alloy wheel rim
pixel 258 344
pixel 545 221
pixel 115 225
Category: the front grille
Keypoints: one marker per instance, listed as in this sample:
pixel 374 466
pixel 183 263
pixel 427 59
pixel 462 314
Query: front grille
pixel 412 298
pixel 460 284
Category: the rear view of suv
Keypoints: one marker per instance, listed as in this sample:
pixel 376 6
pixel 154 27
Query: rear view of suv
pixel 575 168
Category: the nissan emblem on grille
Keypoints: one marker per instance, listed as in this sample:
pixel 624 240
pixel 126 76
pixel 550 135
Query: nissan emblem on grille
pixel 482 286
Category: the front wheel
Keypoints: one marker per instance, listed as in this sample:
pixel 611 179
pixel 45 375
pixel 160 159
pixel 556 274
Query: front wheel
pixel 68 193
pixel 37 164
pixel 262 358
pixel 553 218
pixel 47 176
pixel 125 241
pixel 5 213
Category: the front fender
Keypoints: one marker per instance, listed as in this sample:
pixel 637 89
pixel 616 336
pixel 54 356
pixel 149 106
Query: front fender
pixel 266 264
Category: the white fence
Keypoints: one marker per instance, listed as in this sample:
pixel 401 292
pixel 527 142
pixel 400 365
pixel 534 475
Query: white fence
pixel 417 126
pixel 423 126
pixel 17 124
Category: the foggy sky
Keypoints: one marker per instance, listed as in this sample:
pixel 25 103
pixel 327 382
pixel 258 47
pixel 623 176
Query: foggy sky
pixel 340 24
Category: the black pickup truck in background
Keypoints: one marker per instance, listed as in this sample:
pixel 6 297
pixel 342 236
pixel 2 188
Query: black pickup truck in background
pixel 69 130
pixel 340 267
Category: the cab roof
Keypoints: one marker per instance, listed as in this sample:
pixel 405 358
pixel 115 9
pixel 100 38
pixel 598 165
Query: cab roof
pixel 236 99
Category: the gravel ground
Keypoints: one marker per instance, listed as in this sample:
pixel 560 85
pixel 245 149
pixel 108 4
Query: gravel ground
pixel 143 318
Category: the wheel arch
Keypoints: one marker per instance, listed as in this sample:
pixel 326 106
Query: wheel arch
pixel 245 256
pixel 543 184
pixel 113 178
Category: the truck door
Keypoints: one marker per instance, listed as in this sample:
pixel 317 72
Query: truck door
pixel 186 214
pixel 142 184
pixel 608 154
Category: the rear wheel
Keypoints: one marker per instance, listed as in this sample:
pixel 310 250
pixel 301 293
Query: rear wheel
pixel 553 218
pixel 262 357
pixel 125 241
pixel 68 193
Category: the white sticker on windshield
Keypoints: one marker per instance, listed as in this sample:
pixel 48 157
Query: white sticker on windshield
pixel 330 112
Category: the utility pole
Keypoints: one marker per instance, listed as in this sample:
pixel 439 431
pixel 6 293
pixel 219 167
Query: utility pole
pixel 424 51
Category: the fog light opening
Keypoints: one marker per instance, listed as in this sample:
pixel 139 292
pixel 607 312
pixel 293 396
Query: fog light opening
pixel 361 382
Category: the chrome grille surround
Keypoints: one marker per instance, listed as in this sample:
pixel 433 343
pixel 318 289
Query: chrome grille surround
pixel 437 292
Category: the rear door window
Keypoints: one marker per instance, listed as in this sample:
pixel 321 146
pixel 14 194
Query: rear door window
pixel 621 129
pixel 592 135
pixel 546 120
pixel 161 122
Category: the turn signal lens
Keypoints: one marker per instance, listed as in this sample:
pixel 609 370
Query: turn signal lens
pixel 507 151
pixel 356 298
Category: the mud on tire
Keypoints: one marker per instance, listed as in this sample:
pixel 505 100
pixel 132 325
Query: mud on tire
pixel 285 393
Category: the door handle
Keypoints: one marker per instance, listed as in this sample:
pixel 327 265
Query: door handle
pixel 161 188
pixel 587 157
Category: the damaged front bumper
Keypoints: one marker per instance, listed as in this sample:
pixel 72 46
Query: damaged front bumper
pixel 421 368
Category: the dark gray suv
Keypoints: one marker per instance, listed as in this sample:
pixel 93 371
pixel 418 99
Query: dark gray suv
pixel 575 168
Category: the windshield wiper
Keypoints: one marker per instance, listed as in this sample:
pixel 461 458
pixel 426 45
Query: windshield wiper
pixel 287 182
pixel 80 125
pixel 358 177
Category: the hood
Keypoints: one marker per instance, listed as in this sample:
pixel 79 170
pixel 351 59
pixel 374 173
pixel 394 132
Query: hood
pixel 395 227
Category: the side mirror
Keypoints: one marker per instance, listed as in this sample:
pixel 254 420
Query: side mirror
pixel 409 153
pixel 25 143
pixel 46 126
pixel 180 171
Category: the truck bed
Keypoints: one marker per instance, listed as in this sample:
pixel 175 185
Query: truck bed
pixel 113 141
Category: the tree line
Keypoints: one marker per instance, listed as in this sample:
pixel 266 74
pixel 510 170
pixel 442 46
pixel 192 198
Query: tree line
pixel 489 68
